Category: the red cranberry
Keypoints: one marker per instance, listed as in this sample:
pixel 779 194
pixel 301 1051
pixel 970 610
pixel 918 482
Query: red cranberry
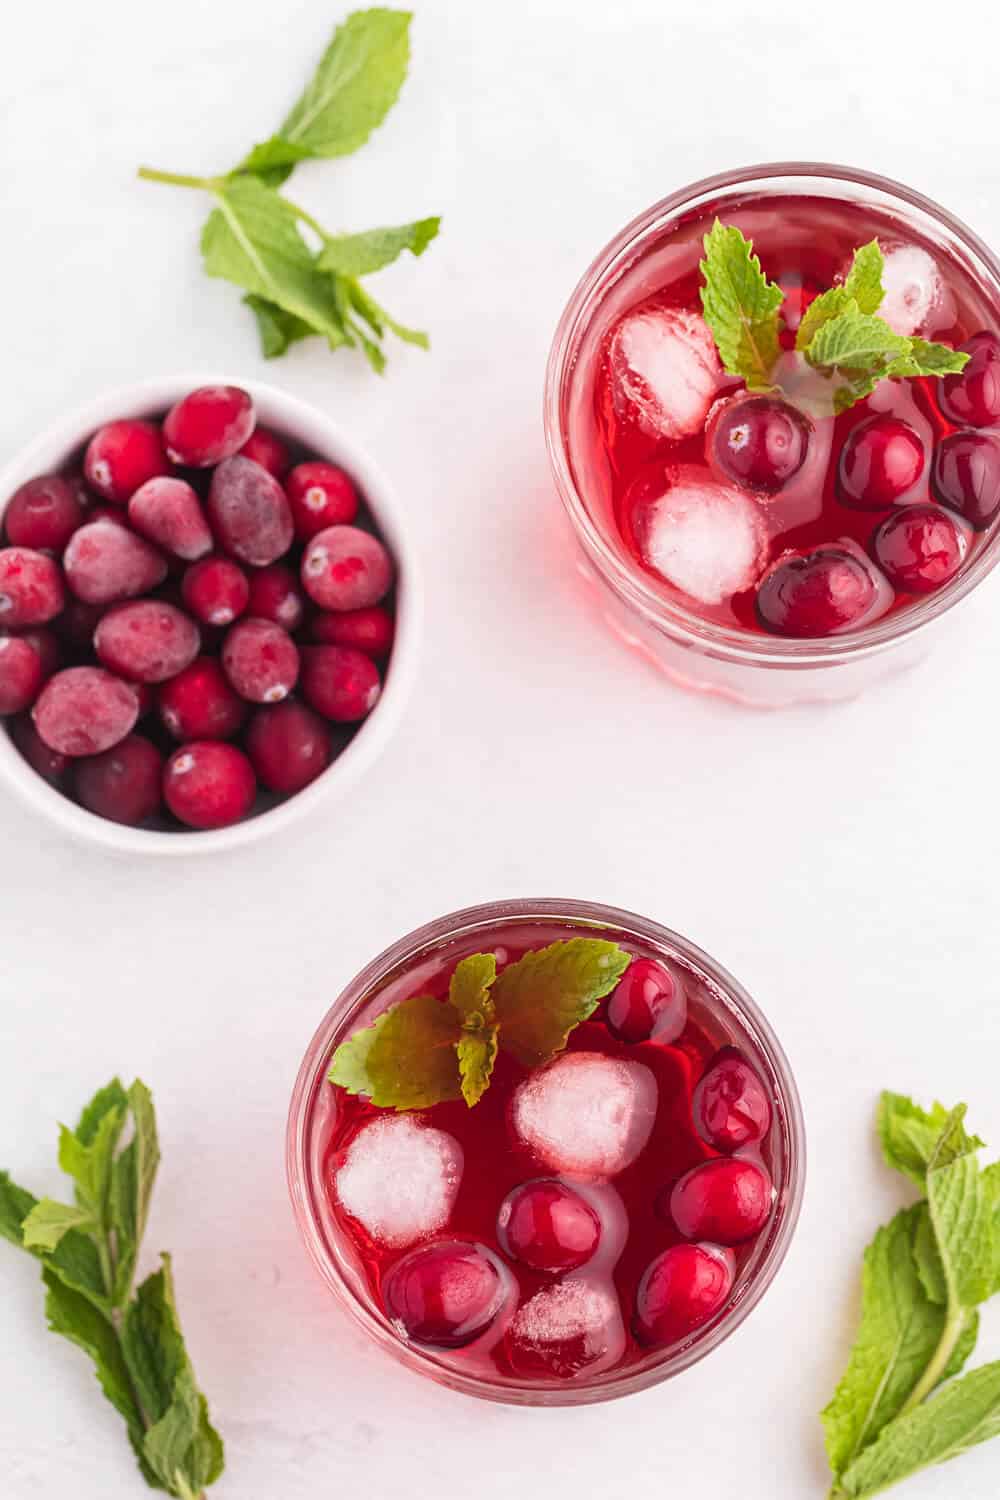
pixel 648 1003
pixel 250 513
pixel 966 476
pixel 548 1226
pixel 680 1291
pixel 344 568
pixel 444 1294
pixel 339 683
pixel 209 425
pixel 31 588
pixel 761 442
pixel 85 710
pixel 275 595
pixel 881 460
pixel 48 763
pixel 817 593
pixel 288 745
pixel 123 784
pixel 973 397
pixel 122 456
pixel 21 675
pixel 370 630
pixel 724 1200
pixel 730 1105
pixel 261 661
pixel 43 514
pixel 320 495
pixel 267 449
pixel 147 641
pixel 167 511
pixel 215 591
pixel 208 784
pixel 200 704
pixel 105 562
pixel 919 548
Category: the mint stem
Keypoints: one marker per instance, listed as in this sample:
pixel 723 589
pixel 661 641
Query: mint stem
pixel 950 1335
pixel 178 179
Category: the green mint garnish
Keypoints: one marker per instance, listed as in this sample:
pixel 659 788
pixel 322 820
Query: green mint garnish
pixel 899 1407
pixel 741 306
pixel 424 1051
pixel 88 1251
pixel 301 281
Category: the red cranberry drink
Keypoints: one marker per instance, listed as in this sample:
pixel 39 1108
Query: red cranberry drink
pixel 775 416
pixel 546 1152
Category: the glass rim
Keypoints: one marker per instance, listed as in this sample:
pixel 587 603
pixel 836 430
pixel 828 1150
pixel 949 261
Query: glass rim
pixel 464 922
pixel 629 581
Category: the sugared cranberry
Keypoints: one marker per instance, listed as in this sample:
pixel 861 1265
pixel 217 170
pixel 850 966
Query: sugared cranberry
pixel 122 456
pixel 344 568
pixel 215 591
pixel 21 675
pixel 275 595
pixel 761 443
pixel 339 683
pixel 730 1105
pixel 208 784
pixel 43 514
pixel 31 588
pixel 817 593
pixel 973 397
pixel 680 1291
pixel 85 710
pixel 647 1003
pixel 548 1226
pixel 724 1200
pixel 123 784
pixel 919 548
pixel 444 1294
pixel 105 562
pixel 966 476
pixel 209 425
pixel 200 704
pixel 261 661
pixel 167 511
pixel 146 641
pixel 320 495
pixel 288 746
pixel 49 764
pixel 370 630
pixel 881 460
pixel 250 513
pixel 267 449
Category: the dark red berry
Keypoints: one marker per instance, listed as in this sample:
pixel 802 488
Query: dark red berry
pixel 730 1105
pixel 215 590
pixel 168 512
pixel 123 784
pixel 966 476
pixel 320 495
pixel 275 595
pixel 105 562
pixel 50 764
pixel 43 514
pixel 548 1226
pixel 289 746
pixel 370 630
pixel 147 640
pixel 339 683
pixel 209 425
pixel 21 675
pixel 261 661
pixel 47 646
pixel 444 1294
pixel 249 512
pixel 882 460
pixel 725 1200
pixel 647 1003
pixel 209 784
pixel 31 588
pixel 200 704
pixel 818 593
pixel 267 449
pixel 680 1291
pixel 84 711
pixel 345 568
pixel 122 456
pixel 919 548
pixel 761 442
pixel 973 397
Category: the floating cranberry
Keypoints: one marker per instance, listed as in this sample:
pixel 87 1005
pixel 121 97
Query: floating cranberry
pixel 85 710
pixel 215 590
pixel 167 511
pixel 761 442
pixel 122 456
pixel 444 1294
pixel 209 425
pixel 973 397
pixel 647 1003
pixel 123 784
pixel 267 449
pixel 881 460
pixel 680 1291
pixel 261 661
pixel 43 514
pixel 49 764
pixel 208 784
pixel 919 548
pixel 200 704
pixel 724 1200
pixel 31 588
pixel 320 495
pixel 288 745
pixel 344 568
pixel 548 1226
pixel 730 1106
pixel 275 595
pixel 250 513
pixel 817 593
pixel 339 683
pixel 21 675
pixel 966 476
pixel 146 641
pixel 370 630
pixel 105 562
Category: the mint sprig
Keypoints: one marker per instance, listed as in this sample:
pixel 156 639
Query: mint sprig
pixel 300 280
pixel 88 1251
pixel 740 306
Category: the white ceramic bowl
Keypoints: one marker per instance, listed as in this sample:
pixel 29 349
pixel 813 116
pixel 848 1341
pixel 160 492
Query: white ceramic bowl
pixel 304 425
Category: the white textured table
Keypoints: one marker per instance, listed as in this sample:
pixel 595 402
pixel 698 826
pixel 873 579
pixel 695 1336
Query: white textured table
pixel 842 862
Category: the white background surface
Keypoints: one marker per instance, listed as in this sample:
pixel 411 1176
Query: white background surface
pixel 842 862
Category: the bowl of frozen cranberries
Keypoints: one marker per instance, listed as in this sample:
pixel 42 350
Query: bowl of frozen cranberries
pixel 205 615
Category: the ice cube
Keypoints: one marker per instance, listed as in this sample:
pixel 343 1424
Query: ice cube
pixel 570 1326
pixel 399 1179
pixel 912 285
pixel 666 370
pixel 586 1115
pixel 706 538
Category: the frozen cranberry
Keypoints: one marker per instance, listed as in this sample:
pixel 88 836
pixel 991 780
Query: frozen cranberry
pixel 444 1294
pixel 761 442
pixel 320 495
pixel 200 704
pixel 881 460
pixel 123 784
pixel 208 784
pixel 647 1003
pixel 288 745
pixel 680 1291
pixel 146 641
pixel 973 397
pixel 49 764
pixel 730 1106
pixel 167 511
pixel 261 661
pixel 44 642
pixel 31 588
pixel 267 449
pixel 105 562
pixel 215 590
pixel 77 623
pixel 44 513
pixel 250 513
pixel 370 630
pixel 21 675
pixel 817 593
pixel 548 1226
pixel 122 456
pixel 84 710
pixel 919 548
pixel 275 595
pixel 966 476
pixel 724 1200
pixel 209 425
pixel 344 568
pixel 339 683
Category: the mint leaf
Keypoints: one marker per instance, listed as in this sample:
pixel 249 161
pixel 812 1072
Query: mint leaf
pixel 542 997
pixel 909 1134
pixel 740 306
pixel 16 1203
pixel 361 254
pixel 477 1053
pixel 278 329
pixel 406 1059
pixel 75 1260
pixel 132 1177
pixel 469 989
pixel 854 340
pixel 962 1218
pixel 924 358
pixel 48 1221
pixel 87 1153
pixel 379 320
pixel 862 286
pixel 469 995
